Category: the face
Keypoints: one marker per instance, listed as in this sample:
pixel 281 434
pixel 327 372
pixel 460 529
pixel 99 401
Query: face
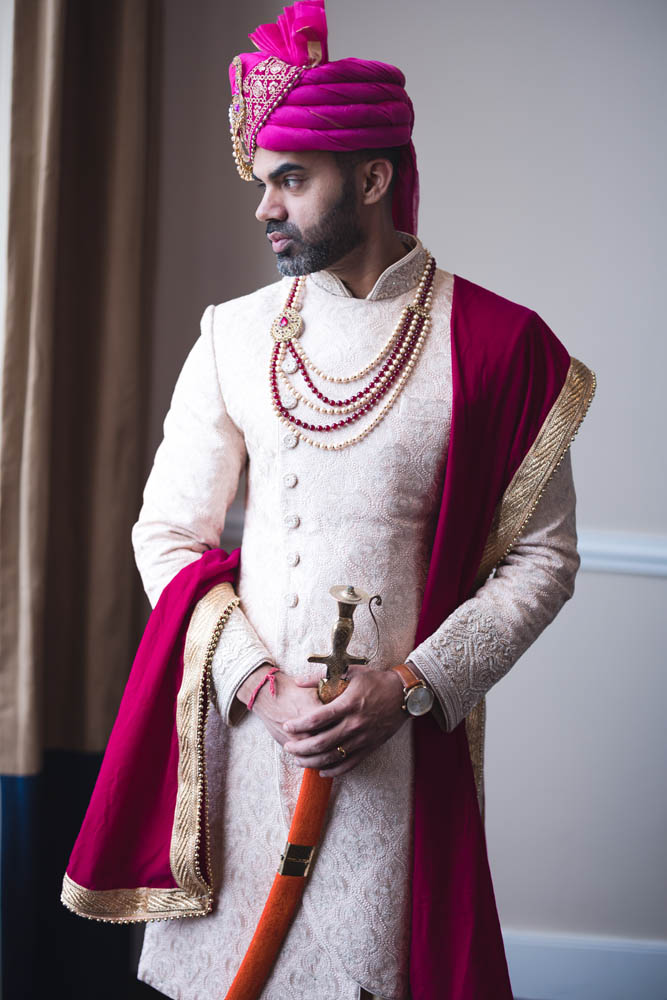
pixel 310 209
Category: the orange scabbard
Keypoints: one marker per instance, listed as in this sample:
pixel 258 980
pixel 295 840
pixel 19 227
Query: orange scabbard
pixel 287 888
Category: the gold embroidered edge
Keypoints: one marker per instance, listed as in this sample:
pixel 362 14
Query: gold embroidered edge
pixel 517 506
pixel 192 705
pixel 520 499
pixel 193 897
pixel 475 723
pixel 131 906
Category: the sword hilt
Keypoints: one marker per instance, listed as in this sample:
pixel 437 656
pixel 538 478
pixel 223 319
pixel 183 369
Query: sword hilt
pixel 339 660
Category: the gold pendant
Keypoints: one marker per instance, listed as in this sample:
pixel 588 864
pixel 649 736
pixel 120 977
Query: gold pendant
pixel 286 326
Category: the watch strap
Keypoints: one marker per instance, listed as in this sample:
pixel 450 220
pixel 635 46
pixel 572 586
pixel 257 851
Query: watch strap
pixel 409 678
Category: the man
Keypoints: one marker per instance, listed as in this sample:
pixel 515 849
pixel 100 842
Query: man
pixel 405 433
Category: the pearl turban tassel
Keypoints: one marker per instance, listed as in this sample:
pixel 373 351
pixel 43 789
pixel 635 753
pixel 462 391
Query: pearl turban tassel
pixel 288 96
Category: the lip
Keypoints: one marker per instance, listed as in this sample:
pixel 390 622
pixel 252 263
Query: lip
pixel 279 242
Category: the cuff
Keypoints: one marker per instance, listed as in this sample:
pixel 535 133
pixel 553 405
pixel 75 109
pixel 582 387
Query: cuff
pixel 446 696
pixel 239 652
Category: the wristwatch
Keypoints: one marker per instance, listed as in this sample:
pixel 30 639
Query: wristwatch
pixel 417 696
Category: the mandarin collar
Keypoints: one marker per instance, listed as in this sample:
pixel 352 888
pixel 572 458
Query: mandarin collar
pixel 398 278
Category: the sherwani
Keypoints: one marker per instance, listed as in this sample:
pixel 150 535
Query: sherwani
pixel 362 515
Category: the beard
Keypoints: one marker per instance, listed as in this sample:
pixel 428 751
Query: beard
pixel 335 235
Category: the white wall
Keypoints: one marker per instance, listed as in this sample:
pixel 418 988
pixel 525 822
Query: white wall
pixel 541 142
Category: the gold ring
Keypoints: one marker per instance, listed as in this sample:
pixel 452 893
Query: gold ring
pixel 342 752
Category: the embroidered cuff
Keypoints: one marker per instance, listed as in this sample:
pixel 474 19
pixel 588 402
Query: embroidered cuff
pixel 431 669
pixel 462 660
pixel 238 653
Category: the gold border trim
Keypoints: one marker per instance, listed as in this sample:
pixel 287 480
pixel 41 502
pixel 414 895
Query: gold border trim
pixel 529 482
pixel 191 716
pixel 130 906
pixel 194 896
pixel 517 506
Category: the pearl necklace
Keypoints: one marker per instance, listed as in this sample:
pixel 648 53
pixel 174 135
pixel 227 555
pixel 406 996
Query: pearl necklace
pixel 398 357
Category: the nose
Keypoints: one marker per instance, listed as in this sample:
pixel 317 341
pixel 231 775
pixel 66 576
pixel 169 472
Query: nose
pixel 270 207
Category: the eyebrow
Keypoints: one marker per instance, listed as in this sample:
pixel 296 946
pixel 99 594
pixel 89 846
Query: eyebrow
pixel 279 171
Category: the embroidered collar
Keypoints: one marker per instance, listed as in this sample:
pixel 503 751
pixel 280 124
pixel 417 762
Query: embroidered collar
pixel 399 277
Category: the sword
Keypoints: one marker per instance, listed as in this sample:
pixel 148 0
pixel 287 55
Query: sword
pixel 308 820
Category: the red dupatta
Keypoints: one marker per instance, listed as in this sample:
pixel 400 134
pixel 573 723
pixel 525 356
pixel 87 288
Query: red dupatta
pixel 518 399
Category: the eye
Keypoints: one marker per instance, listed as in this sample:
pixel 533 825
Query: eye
pixel 291 181
pixel 260 185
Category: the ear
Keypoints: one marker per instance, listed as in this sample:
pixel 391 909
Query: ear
pixel 376 178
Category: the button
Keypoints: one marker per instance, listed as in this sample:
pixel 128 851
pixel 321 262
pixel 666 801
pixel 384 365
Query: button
pixel 293 558
pixel 292 520
pixel 289 402
pixel 290 440
pixel 289 365
pixel 291 599
pixel 290 480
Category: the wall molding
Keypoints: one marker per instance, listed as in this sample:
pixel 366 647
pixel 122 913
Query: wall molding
pixel 623 552
pixel 601 551
pixel 581 967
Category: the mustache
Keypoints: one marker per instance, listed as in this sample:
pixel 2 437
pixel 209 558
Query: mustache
pixel 286 228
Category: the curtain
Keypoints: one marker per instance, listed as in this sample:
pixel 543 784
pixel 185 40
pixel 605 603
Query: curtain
pixel 74 384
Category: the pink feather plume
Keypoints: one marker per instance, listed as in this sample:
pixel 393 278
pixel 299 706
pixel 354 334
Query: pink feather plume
pixel 287 39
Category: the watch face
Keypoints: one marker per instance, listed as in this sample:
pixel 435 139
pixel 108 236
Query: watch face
pixel 419 700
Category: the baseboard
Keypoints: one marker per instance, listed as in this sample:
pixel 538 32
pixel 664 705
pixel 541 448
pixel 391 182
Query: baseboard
pixel 573 967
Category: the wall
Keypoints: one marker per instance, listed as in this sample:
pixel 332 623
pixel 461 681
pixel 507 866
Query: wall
pixel 209 246
pixel 541 142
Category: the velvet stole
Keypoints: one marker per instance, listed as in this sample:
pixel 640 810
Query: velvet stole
pixel 508 369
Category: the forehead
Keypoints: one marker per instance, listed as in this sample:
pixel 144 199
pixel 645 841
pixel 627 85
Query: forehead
pixel 266 161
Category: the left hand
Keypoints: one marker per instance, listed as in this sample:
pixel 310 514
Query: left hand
pixel 367 714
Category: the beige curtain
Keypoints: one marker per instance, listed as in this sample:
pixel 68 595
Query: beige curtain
pixel 74 376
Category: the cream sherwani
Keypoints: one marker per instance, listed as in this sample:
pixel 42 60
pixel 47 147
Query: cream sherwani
pixel 363 515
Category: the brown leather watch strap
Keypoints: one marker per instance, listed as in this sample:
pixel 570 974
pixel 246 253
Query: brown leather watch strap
pixel 409 678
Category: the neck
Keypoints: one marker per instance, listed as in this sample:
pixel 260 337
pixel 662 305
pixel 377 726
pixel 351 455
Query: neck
pixel 361 268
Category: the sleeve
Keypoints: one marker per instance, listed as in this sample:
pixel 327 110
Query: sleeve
pixel 190 488
pixel 479 642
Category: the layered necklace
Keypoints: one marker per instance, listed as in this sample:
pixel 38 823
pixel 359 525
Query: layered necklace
pixel 396 359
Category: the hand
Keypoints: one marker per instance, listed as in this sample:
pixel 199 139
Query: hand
pixel 367 714
pixel 289 701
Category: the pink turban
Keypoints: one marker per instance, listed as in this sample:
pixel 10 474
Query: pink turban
pixel 288 96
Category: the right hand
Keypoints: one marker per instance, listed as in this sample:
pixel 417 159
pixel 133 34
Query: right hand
pixel 290 701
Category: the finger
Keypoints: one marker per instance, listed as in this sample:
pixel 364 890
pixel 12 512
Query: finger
pixel 344 766
pixel 327 762
pixel 319 744
pixel 321 718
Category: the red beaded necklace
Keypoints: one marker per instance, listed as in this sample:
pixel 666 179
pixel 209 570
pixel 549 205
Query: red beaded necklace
pixel 399 357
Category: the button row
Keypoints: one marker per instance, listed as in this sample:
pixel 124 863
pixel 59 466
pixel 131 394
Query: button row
pixel 290 480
